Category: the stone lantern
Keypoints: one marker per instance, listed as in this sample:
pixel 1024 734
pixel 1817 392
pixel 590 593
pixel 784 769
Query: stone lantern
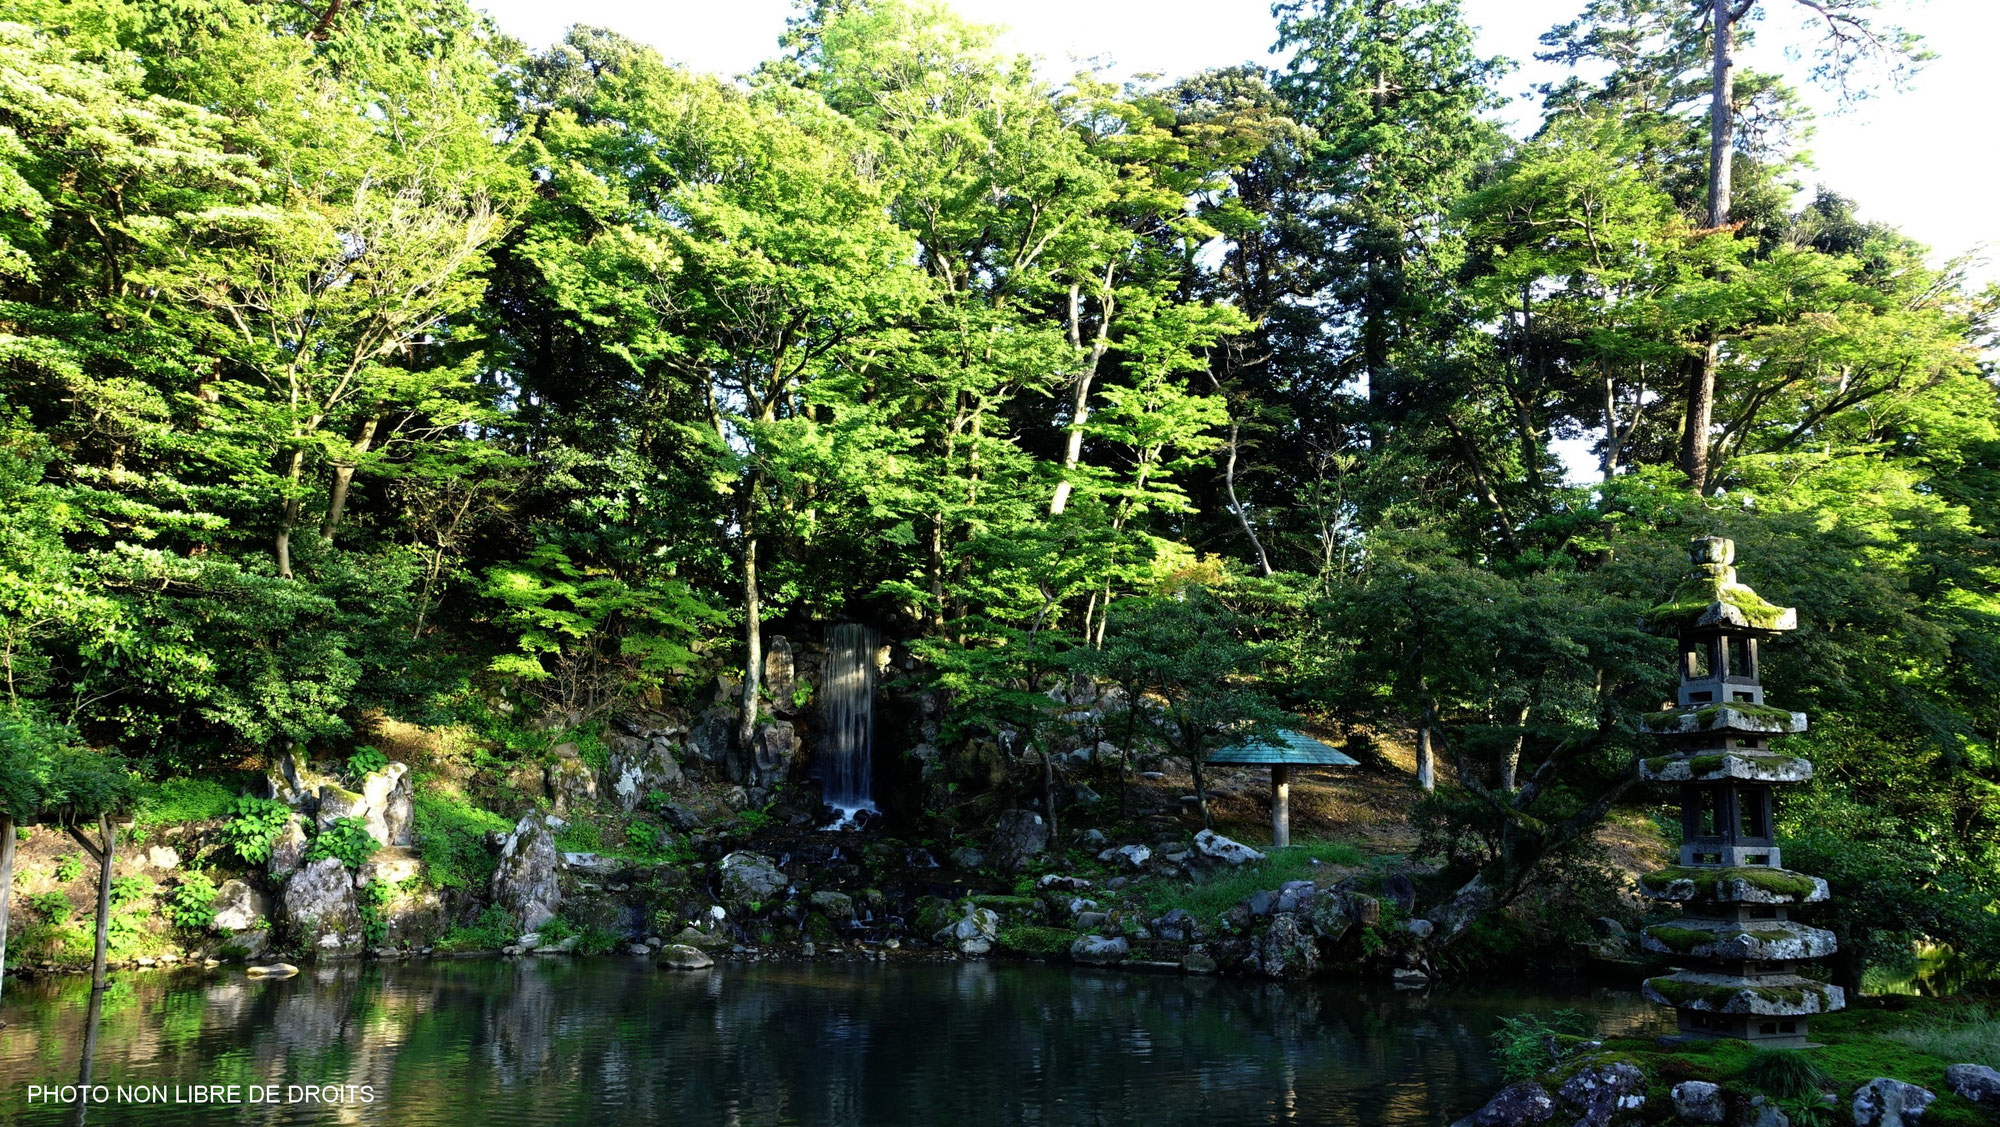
pixel 1736 945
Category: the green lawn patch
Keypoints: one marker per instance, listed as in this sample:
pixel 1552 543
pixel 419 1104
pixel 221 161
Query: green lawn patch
pixel 1208 898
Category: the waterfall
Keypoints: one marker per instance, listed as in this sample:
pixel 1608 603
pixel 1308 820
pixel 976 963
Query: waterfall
pixel 848 699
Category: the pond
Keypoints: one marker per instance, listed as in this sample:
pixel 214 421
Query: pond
pixel 606 1041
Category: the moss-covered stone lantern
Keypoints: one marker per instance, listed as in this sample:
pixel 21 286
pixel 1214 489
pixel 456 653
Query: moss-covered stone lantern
pixel 1736 944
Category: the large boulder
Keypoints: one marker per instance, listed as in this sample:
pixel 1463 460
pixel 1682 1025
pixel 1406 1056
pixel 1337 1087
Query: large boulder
pixel 336 802
pixel 1213 847
pixel 319 907
pixel 378 789
pixel 288 848
pixel 240 907
pixel 1330 916
pixel 772 750
pixel 640 766
pixel 1018 837
pixel 680 956
pixel 571 780
pixel 780 676
pixel 713 736
pixel 391 865
pixel 293 782
pixel 1883 1102
pixel 751 882
pixel 1698 1101
pixel 1974 1082
pixel 1099 951
pixel 525 881
pixel 1520 1105
pixel 972 933
pixel 399 814
pixel 1288 950
pixel 1599 1092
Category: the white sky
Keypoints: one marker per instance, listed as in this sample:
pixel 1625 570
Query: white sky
pixel 1924 158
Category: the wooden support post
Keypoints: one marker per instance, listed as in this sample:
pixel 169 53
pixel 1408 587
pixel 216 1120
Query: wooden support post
pixel 1281 805
pixel 6 884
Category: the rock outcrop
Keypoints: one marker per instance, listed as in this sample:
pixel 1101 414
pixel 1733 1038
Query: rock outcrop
pixel 319 908
pixel 1018 837
pixel 525 881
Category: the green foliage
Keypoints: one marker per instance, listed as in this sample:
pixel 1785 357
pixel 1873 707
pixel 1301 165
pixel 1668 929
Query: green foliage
pixel 1036 942
pixel 54 907
pixel 579 836
pixel 1208 898
pixel 1524 1047
pixel 180 801
pixel 253 827
pixel 69 868
pixel 1972 1034
pixel 191 903
pixel 365 761
pixel 491 930
pixel 370 899
pixel 450 837
pixel 345 839
pixel 1787 1074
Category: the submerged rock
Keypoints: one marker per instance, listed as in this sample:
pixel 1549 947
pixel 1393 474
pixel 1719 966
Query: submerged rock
pixel 525 881
pixel 1883 1102
pixel 271 970
pixel 679 956
pixel 1520 1105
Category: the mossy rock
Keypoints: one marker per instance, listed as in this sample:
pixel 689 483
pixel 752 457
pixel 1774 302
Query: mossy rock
pixel 1747 884
pixel 1720 766
pixel 1711 596
pixel 1773 942
pixel 1785 996
pixel 1731 716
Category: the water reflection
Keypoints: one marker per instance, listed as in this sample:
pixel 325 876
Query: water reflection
pixel 601 1041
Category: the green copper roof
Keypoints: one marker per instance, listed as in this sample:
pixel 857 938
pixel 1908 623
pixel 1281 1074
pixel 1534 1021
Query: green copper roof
pixel 1290 748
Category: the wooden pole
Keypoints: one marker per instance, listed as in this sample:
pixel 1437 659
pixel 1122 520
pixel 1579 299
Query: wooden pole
pixel 1281 805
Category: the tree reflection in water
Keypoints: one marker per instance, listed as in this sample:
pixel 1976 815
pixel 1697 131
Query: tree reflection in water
pixel 603 1041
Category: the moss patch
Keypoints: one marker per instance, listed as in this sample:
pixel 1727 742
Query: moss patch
pixel 1778 882
pixel 1036 942
pixel 1704 590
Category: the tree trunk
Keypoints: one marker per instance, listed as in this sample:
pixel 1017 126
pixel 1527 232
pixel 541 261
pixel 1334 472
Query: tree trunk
pixel 104 863
pixel 1049 795
pixel 343 476
pixel 1079 412
pixel 753 639
pixel 1510 761
pixel 289 516
pixel 6 886
pixel 1721 154
pixel 1426 754
pixel 94 1014
pixel 1200 792
pixel 1229 480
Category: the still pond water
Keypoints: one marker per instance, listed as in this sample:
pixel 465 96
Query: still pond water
pixel 607 1041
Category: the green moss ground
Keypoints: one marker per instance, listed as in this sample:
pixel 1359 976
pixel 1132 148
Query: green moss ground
pixel 1856 1048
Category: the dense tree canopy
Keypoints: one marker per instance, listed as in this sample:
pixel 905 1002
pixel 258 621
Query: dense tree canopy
pixel 376 363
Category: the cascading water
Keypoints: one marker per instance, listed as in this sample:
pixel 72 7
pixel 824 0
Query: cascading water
pixel 848 699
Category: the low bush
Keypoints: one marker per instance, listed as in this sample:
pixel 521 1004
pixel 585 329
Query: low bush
pixel 1036 942
pixel 173 802
pixel 493 928
pixel 450 836
pixel 191 904
pixel 1526 1046
pixel 254 828
pixel 345 839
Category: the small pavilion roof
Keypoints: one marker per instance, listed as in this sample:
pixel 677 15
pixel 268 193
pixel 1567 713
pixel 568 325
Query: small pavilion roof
pixel 1287 748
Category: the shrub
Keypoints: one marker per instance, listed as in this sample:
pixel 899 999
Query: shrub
pixel 580 837
pixel 69 868
pixel 174 802
pixel 346 840
pixel 129 890
pixel 255 827
pixel 450 836
pixel 370 899
pixel 1529 1045
pixel 54 907
pixel 365 761
pixel 1036 942
pixel 1786 1074
pixel 494 927
pixel 191 904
